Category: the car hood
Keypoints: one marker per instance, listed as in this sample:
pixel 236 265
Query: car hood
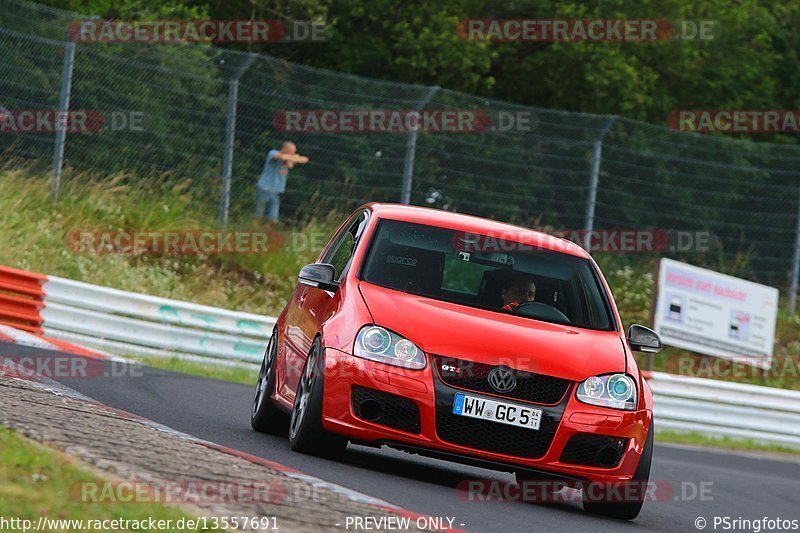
pixel 462 332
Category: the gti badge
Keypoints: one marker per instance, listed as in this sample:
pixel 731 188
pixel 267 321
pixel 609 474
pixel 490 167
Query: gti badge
pixel 502 379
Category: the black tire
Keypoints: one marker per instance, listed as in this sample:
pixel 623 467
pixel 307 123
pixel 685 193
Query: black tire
pixel 264 415
pixel 306 434
pixel 629 509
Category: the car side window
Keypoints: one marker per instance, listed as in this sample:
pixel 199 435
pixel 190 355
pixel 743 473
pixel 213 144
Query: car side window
pixel 341 257
pixel 594 304
pixel 341 254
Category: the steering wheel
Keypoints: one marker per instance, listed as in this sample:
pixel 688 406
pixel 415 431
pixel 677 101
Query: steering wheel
pixel 541 311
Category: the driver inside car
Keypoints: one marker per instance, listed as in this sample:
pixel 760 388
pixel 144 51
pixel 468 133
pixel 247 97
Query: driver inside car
pixel 516 290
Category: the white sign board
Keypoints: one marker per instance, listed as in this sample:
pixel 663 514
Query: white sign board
pixel 715 314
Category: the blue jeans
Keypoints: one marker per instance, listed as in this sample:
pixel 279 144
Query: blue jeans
pixel 267 204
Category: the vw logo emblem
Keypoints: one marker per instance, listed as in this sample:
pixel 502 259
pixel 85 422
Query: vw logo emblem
pixel 502 379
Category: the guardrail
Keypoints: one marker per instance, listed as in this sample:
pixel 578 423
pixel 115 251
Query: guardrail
pixel 137 324
pixel 726 409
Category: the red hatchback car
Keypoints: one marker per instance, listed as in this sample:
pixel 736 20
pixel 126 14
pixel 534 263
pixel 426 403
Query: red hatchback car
pixel 464 339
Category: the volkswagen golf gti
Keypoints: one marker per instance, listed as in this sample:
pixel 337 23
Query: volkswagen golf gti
pixel 468 340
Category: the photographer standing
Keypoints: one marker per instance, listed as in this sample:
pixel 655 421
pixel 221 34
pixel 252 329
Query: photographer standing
pixel 273 179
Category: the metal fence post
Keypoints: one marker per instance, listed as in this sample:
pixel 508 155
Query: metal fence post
pixel 594 179
pixel 795 264
pixel 411 149
pixel 230 137
pixel 63 108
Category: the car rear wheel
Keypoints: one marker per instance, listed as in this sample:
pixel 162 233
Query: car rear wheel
pixel 603 502
pixel 265 416
pixel 306 434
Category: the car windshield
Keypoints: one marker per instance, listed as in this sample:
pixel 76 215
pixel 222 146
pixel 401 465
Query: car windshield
pixel 486 272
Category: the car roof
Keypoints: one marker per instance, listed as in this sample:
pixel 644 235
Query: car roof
pixel 477 225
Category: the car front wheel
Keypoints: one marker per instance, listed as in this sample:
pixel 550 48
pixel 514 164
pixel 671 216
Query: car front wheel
pixel 306 434
pixel 603 503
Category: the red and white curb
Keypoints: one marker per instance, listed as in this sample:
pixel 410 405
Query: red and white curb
pixel 23 338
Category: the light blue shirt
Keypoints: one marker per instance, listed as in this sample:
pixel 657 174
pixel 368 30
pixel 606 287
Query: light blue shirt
pixel 273 177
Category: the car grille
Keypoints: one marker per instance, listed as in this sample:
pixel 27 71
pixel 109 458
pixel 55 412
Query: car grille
pixel 394 411
pixel 536 388
pixel 492 436
pixel 587 449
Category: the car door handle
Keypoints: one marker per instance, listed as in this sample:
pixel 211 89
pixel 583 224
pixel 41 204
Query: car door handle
pixel 302 299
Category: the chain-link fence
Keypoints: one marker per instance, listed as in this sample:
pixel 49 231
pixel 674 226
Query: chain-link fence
pixel 198 112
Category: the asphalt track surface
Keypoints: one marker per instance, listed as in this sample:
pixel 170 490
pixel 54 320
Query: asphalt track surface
pixel 747 486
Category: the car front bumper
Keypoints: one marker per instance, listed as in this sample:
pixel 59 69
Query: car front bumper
pixel 343 372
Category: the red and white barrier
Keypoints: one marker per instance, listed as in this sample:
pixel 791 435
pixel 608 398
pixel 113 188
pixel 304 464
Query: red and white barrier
pixel 70 314
pixel 22 299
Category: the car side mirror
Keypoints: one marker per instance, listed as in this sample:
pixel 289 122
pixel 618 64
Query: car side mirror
pixel 320 275
pixel 643 339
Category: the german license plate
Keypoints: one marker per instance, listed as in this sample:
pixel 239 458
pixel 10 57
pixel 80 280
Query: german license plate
pixel 512 414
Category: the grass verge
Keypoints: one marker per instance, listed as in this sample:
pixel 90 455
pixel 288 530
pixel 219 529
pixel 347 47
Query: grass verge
pixel 36 481
pixel 696 439
pixel 237 374
pixel 42 237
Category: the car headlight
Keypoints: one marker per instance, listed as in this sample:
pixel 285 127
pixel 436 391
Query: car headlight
pixel 617 391
pixel 379 344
